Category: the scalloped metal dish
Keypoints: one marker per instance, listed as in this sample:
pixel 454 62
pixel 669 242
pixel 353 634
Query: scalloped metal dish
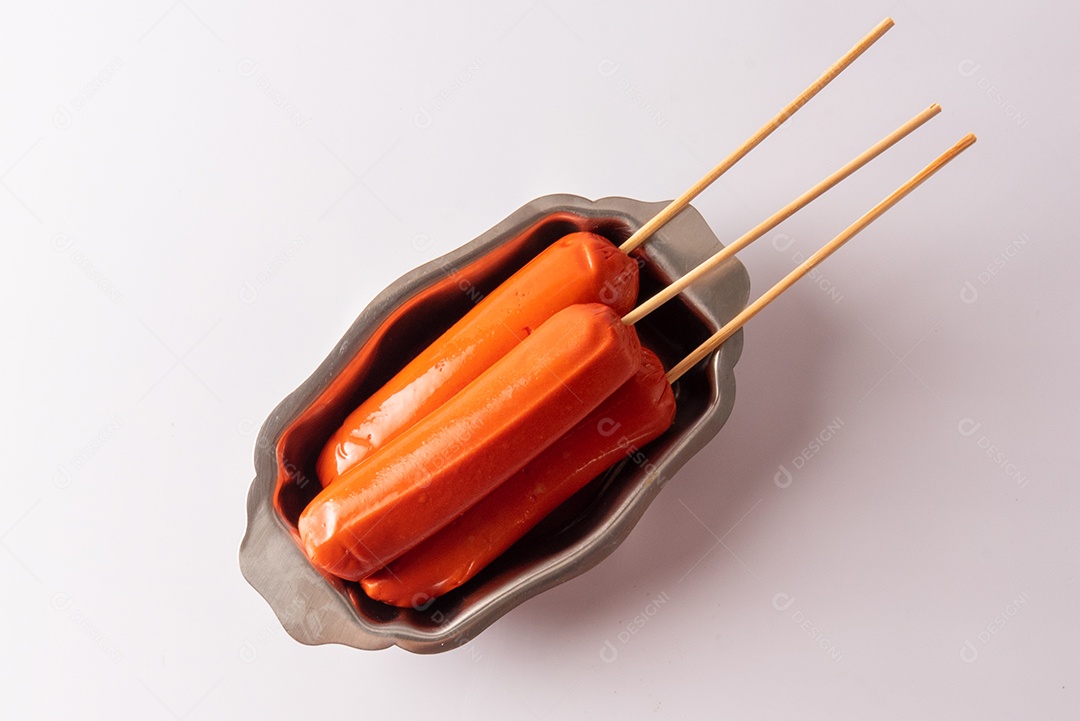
pixel 408 315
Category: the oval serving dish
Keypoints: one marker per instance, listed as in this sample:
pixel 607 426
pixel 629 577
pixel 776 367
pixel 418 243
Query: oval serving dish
pixel 409 315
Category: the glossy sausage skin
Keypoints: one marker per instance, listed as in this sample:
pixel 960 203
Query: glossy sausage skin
pixel 639 411
pixel 577 268
pixel 431 473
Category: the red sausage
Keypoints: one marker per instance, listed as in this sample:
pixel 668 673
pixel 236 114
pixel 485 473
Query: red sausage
pixel 460 452
pixel 578 268
pixel 639 411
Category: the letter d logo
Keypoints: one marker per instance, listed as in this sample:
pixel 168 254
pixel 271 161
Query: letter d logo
pixel 247 293
pixel 607 427
pixel 422 119
pixel 61 118
pixel 783 477
pixel 782 601
pixel 968 67
pixel 967 427
pixel 968 293
pixel 246 67
pixel 607 67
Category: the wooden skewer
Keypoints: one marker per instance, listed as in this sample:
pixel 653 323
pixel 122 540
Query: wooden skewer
pixel 676 286
pixel 828 249
pixel 683 200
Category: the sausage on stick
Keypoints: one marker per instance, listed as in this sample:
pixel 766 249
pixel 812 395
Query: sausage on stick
pixel 581 270
pixel 431 473
pixel 641 410
pixel 341 524
pixel 578 268
pixel 638 412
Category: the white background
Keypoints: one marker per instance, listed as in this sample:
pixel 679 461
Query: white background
pixel 197 199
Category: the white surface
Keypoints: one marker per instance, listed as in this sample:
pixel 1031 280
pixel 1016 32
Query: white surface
pixel 197 200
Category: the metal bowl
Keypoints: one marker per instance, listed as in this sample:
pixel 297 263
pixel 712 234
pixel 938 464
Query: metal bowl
pixel 405 318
